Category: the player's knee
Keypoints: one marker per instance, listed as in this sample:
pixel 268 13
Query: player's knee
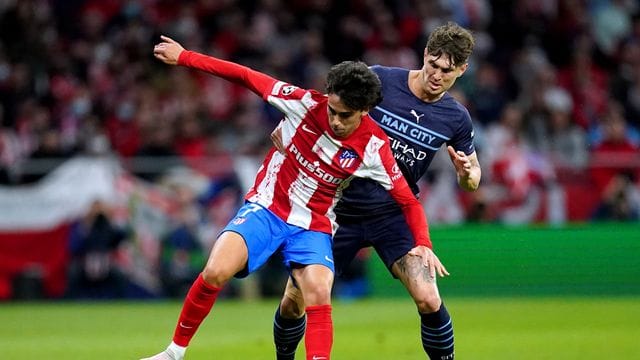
pixel 215 276
pixel 428 303
pixel 318 294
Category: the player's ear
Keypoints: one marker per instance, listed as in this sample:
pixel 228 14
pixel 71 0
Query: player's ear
pixel 463 68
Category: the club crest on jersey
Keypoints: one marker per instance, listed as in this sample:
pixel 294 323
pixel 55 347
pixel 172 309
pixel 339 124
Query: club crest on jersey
pixel 347 159
pixel 288 90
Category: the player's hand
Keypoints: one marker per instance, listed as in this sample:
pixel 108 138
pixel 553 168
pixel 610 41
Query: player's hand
pixel 276 139
pixel 429 260
pixel 168 51
pixel 461 162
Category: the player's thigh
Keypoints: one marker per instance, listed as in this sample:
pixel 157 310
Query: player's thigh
pixel 262 232
pixel 416 279
pixel 227 257
pixel 391 238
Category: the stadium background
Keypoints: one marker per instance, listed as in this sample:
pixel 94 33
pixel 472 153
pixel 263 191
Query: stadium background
pixel 117 171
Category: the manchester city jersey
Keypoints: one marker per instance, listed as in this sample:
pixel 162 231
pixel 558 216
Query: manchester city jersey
pixel 416 131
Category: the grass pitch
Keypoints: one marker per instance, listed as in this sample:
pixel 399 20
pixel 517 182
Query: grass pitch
pixel 385 329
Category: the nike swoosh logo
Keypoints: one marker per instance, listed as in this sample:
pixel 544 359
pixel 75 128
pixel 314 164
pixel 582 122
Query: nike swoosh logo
pixel 331 261
pixel 185 326
pixel 307 129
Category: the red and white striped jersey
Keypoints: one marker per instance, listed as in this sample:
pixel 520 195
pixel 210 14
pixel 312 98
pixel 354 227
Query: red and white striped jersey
pixel 303 186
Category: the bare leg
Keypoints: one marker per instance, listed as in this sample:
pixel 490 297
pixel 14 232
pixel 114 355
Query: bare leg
pixel 315 283
pixel 289 323
pixel 228 256
pixel 436 325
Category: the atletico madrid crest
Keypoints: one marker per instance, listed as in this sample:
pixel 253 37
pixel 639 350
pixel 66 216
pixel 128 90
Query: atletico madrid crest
pixel 347 159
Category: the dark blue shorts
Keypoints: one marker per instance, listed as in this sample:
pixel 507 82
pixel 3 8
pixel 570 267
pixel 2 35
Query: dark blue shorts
pixel 388 234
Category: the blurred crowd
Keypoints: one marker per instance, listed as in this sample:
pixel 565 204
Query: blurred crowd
pixel 553 88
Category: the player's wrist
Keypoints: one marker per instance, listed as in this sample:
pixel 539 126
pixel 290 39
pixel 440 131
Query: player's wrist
pixel 183 57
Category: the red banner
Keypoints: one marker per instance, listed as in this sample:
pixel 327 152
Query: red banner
pixel 42 254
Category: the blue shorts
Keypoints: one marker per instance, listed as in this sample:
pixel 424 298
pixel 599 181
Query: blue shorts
pixel 388 234
pixel 265 234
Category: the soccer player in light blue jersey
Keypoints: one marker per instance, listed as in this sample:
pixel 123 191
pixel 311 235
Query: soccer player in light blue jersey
pixel 419 116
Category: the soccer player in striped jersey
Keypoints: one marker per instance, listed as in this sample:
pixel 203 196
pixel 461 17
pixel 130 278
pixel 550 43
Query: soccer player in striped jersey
pixel 329 140
pixel 419 117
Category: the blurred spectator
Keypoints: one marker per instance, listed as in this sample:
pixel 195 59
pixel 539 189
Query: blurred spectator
pixel 385 47
pixel 94 246
pixel 612 23
pixel 625 85
pixel 182 256
pixel 515 173
pixel 10 151
pixel 620 200
pixel 586 81
pixel 615 153
pixel 599 131
pixel 50 154
pixel 555 134
pixel 158 144
pixel 488 96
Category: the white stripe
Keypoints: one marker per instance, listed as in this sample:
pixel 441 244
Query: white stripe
pixel 276 87
pixel 372 166
pixel 294 109
pixel 265 189
pixel 326 147
pixel 331 215
pixel 300 192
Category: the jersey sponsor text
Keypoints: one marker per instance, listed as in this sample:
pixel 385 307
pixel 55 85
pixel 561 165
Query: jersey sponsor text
pixel 314 167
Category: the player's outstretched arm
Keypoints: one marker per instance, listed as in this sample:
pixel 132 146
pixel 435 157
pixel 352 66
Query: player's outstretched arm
pixel 171 52
pixel 168 50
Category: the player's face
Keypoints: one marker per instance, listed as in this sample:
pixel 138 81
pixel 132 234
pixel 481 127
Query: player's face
pixel 343 120
pixel 439 74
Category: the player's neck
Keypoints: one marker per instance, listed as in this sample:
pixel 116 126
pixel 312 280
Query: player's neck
pixel 416 82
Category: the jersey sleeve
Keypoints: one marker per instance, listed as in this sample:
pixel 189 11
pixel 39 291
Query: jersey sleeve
pixel 463 138
pixel 381 166
pixel 259 83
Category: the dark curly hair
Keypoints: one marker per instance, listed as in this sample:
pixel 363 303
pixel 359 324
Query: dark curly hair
pixel 453 41
pixel 357 86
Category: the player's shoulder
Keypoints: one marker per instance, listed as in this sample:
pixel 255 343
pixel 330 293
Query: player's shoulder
pixel 286 90
pixel 454 107
pixel 371 129
pixel 385 72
